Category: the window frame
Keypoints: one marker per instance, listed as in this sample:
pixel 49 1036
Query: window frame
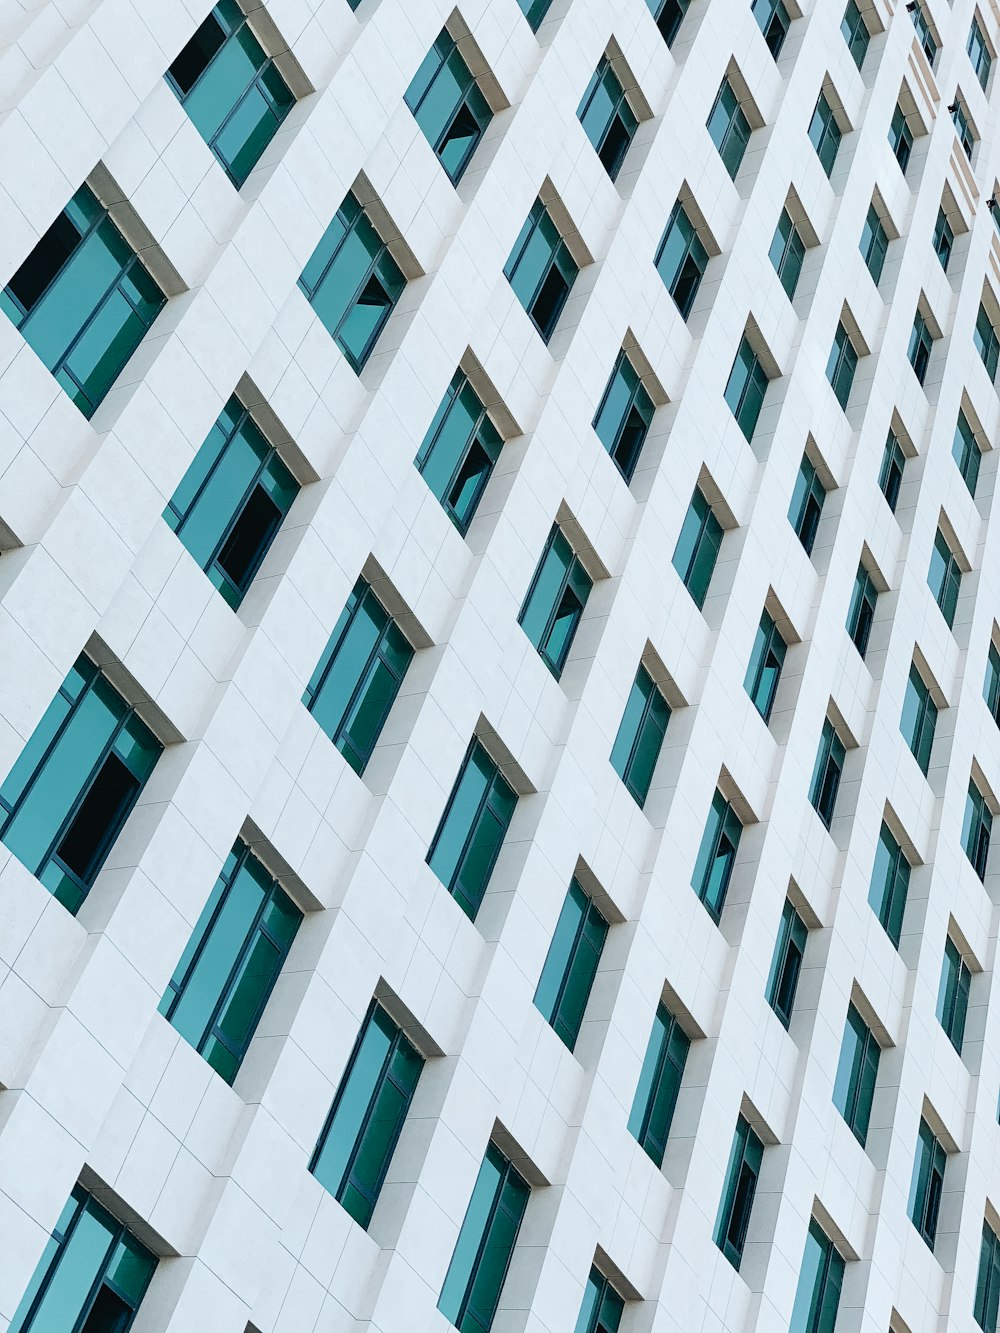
pixel 943 240
pixel 773 20
pixel 888 899
pixel 723 826
pixel 590 932
pixel 621 114
pixel 900 138
pixel 927 1184
pixel 449 55
pixel 559 260
pixel 816 1312
pixel 767 654
pixel 977 829
pixel 827 773
pixel 694 252
pixel 850 26
pixel 952 1007
pixel 575 577
pixel 746 1159
pixel 920 347
pixel 950 587
pixel 966 452
pixel 793 252
pixel 807 503
pixel 639 406
pixel 921 739
pixel 606 1305
pixel 861 611
pixel 749 401
pixel 843 360
pixel 737 131
pixel 982 61
pixel 856 1079
pixel 893 463
pixel 987 345
pixel 652 697
pixel 827 133
pixel 665 1059
pixel 874 252
pixel 484 435
pixel 786 963
pixel 708 539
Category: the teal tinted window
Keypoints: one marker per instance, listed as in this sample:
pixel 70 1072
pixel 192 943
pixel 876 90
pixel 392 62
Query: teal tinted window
pixel 986 342
pixel 225 976
pixel 681 259
pixel 774 20
pixel 448 105
pixel 231 502
pixel 900 138
pixel 475 1277
pixel 991 685
pixel 729 128
pixel 602 1307
pixel 640 736
pixel 890 477
pixel 767 657
pixel 918 351
pixel 874 244
pixel 988 1281
pixel 713 868
pixel 963 128
pixel 977 828
pixel 786 964
pixel 669 15
pixel 857 1072
pixel 966 452
pixel 358 677
pixel 83 300
pixel 472 829
pixel 231 89
pixel 659 1084
pixel 821 1277
pixel 890 883
pixel 571 965
pixel 953 994
pixel 555 602
pixel 806 508
pixel 746 387
pixel 787 252
pixel 861 612
pixel 624 416
pixel 944 239
pixel 855 33
pixel 927 1183
pixel 75 783
pixel 534 11
pixel 944 577
pixel 360 1135
pixel 925 35
pixel 541 270
pixel 919 719
pixel 352 282
pixel 697 547
pixel 745 1159
pixel 91 1277
pixel 827 773
pixel 825 134
pixel 607 118
pixel 979 53
pixel 459 451
pixel 841 365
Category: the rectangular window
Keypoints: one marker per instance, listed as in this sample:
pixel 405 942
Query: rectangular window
pixel 716 856
pixel 806 508
pixel 358 676
pixel 92 1275
pixel 821 1277
pixel 640 736
pixel 746 387
pixel 226 974
pixel 607 118
pixel 352 282
pixel 963 128
pixel 890 883
pixel 231 89
pixel 774 20
pixel 83 300
pixel 370 1106
pixel 697 547
pixel 927 1183
pixel 659 1084
pixel 861 613
pixel 825 134
pixel 729 128
pixel 900 138
pixel 977 829
pixel 926 38
pixel 944 577
pixel 890 477
pixel 988 1281
pixel 874 244
pixel 979 53
pixel 681 259
pixel 475 1278
pixel 448 105
pixel 786 964
pixel 602 1307
pixel 534 11
pixel 857 1072
pixel 668 15
pixel 842 365
pixel 459 451
pixel 68 795
pixel 472 829
pixel 766 660
pixel 624 416
pixel 966 452
pixel 571 965
pixel 953 994
pixel 944 239
pixel 555 602
pixel 541 270
pixel 855 33
pixel 991 686
pixel 919 719
pixel 787 252
pixel 827 773
pixel 745 1158
pixel 986 342
pixel 918 352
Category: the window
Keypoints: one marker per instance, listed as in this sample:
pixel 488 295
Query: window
pixel 786 964
pixel 83 300
pixel 361 1132
pixel 659 1083
pixel 966 452
pixel 991 687
pixel 571 965
pixel 92 1275
pixel 475 1278
pixel 459 451
pixel 977 828
pixel 927 1183
pixel 874 244
pixel 890 883
pixel 787 252
pixel 825 134
pixel 861 612
pixel 231 502
pixel 925 36
pixel 953 994
pixel 231 89
pixel 820 1280
pixel 358 676
pixel 607 118
pixel 919 719
pixel 774 21
pixel 541 270
pixel 640 736
pixel 448 105
pixel 827 773
pixel 808 498
pixel 963 128
pixel 681 259
pixel 766 660
pixel 353 282
pixel 900 138
pixel 225 976
pixel 746 388
pixel 555 602
pixel 729 128
pixel 842 365
pixel 890 477
pixel 602 1307
pixel 986 342
pixel 472 829
pixel 988 1281
pixel 668 14
pixel 918 353
pixel 855 33
pixel 624 416
pixel 944 577
pixel 716 856
pixel 857 1071
pixel 944 239
pixel 65 801
pixel 745 1159
pixel 979 53
pixel 697 547
pixel 534 11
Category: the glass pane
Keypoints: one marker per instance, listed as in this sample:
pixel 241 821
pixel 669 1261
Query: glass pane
pixel 467 796
pixel 349 664
pixel 477 864
pixel 460 1270
pixel 241 143
pixel 357 1088
pixel 364 722
pixel 79 1264
pixel 560 950
pixel 547 587
pixel 254 982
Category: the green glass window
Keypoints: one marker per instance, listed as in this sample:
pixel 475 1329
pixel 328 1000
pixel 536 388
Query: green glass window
pixel 953 994
pixel 472 829
pixel 607 118
pixel 991 686
pixel 713 868
pixel 806 508
pixel 745 1158
pixel 821 1277
pixel 681 259
pixel 979 53
pixel 659 1084
pixel 640 736
pixel 231 89
pixel 890 477
pixel 977 829
pixel 827 773
pixel 92 1275
pixel 944 577
pixel 988 1281
pixel 927 1183
pixel 925 34
pixel 555 603
pixel 358 677
pixel 225 976
pixel 855 33
pixel 919 719
pixel 774 20
pixel 352 282
pixel 861 613
pixel 786 963
pixel 767 657
pixel 69 793
pixel 944 239
pixel 83 300
pixel 963 127
pixel 890 883
pixel 475 1278
pixel 448 105
pixel 541 270
pixel 729 128
pixel 459 452
pixel 842 365
pixel 900 138
pixel 668 15
pixel 825 134
pixel 966 452
pixel 746 387
pixel 361 1132
pixel 534 11
pixel 602 1307
pixel 571 965
pixel 986 342
pixel 874 244
pixel 697 547
pixel 787 252
pixel 918 352
pixel 231 502
pixel 857 1072
pixel 624 416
